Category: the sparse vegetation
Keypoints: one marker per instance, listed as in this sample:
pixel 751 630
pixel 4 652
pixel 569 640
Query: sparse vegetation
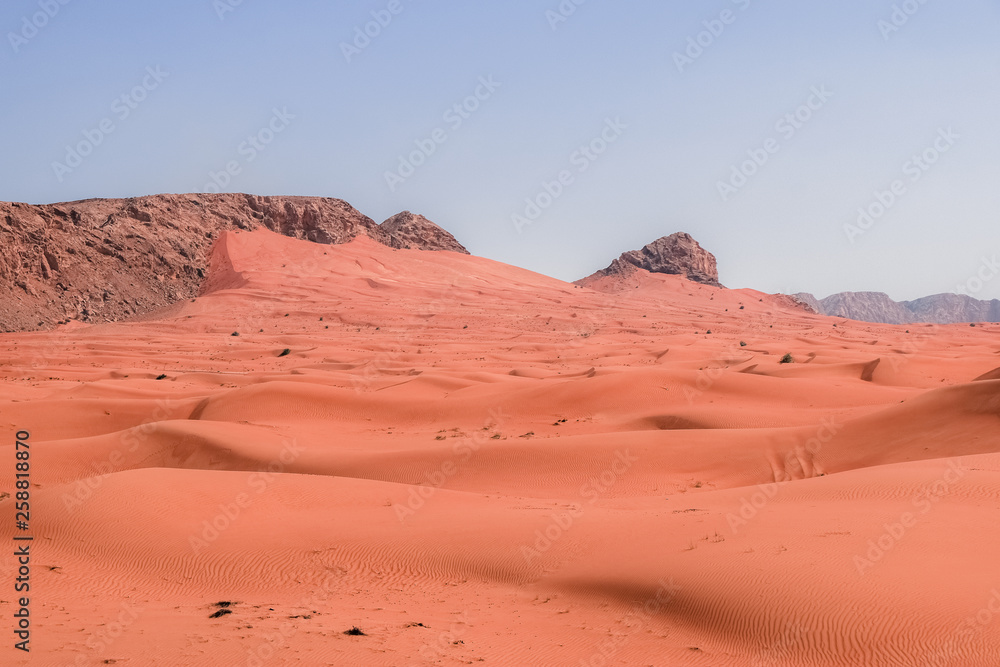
pixel 787 359
pixel 355 632
pixel 161 376
pixel 285 352
pixel 743 343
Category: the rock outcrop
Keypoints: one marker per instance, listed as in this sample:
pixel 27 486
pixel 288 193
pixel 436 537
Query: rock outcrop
pixel 677 254
pixel 102 260
pixel 416 231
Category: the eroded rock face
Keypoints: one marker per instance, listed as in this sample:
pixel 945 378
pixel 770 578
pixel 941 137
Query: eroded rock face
pixel 102 260
pixel 416 231
pixel 677 254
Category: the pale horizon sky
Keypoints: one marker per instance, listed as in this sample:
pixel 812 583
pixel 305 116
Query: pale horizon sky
pixel 126 99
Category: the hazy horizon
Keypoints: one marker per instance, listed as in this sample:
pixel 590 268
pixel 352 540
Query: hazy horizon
pixel 296 100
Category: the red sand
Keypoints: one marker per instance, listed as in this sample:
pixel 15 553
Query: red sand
pixel 473 463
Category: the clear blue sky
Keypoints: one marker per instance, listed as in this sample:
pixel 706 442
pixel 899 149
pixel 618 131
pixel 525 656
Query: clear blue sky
pixel 672 131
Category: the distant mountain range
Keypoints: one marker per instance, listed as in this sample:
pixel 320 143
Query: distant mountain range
pixel 878 307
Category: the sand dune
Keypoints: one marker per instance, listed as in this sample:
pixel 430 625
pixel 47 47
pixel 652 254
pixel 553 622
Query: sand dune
pixel 472 463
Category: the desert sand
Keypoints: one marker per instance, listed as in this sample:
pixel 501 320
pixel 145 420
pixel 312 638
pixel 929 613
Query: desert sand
pixel 473 463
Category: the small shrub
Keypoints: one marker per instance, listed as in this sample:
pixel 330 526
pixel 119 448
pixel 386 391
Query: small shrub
pixel 787 359
pixel 743 343
pixel 285 352
pixel 355 632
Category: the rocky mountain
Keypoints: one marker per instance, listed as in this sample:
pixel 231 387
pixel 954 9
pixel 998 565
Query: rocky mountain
pixel 416 231
pixel 865 306
pixel 677 254
pixel 879 307
pixel 106 259
pixel 947 308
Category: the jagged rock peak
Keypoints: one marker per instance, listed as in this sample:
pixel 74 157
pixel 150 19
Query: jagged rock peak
pixel 416 231
pixel 677 254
